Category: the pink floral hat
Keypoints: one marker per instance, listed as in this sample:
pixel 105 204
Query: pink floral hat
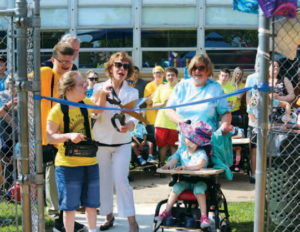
pixel 199 132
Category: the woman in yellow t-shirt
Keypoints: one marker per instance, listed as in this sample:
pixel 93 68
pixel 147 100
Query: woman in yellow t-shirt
pixel 236 82
pixel 77 177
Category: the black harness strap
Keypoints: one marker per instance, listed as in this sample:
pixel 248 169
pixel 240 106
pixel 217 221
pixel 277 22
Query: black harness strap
pixel 84 112
pixel 52 87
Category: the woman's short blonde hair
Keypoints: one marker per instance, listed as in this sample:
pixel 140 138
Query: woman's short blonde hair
pixel 201 58
pixel 123 56
pixel 66 82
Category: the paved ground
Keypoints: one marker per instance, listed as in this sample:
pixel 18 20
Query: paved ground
pixel 149 190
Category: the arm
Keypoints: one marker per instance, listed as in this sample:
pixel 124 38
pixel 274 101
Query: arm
pixel 99 97
pixel 159 104
pixel 173 116
pixel 136 140
pixel 226 123
pixel 287 107
pixel 171 164
pixel 290 89
pixel 54 137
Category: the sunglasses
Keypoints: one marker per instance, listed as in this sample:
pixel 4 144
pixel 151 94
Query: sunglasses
pixel 93 78
pixel 119 65
pixel 158 72
pixel 199 68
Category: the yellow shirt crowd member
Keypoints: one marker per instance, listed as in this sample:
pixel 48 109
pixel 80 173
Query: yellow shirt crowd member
pixel 162 94
pixel 228 87
pixel 237 102
pixel 76 125
pixel 149 90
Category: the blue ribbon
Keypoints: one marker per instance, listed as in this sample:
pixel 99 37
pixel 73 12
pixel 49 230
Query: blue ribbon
pixel 264 87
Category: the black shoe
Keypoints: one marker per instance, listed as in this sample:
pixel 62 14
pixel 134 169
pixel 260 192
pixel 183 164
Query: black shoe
pixel 59 226
pixel 107 225
pixel 78 227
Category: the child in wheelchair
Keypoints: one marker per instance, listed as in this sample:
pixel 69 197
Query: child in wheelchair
pixel 193 156
pixel 139 142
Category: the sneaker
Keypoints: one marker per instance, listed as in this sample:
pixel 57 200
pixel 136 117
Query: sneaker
pixel 151 159
pixel 141 160
pixel 163 215
pixel 204 222
pixel 79 227
pixel 59 227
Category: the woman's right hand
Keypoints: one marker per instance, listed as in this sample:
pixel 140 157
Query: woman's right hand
pixel 76 137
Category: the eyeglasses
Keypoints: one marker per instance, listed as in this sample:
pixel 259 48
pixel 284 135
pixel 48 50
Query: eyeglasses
pixel 199 68
pixel 93 78
pixel 63 62
pixel 119 65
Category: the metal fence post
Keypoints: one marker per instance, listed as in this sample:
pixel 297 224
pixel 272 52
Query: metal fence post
pixel 37 114
pixel 21 81
pixel 261 155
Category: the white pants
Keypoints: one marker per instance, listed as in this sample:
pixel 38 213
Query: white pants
pixel 114 169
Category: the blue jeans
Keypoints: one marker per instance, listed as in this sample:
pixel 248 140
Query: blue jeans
pixel 78 186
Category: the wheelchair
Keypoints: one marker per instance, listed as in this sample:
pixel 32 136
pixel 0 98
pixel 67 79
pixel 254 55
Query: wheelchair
pixel 187 207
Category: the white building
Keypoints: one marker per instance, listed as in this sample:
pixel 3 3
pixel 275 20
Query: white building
pixel 163 32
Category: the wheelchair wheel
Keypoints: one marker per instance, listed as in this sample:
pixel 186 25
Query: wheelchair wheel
pixel 226 228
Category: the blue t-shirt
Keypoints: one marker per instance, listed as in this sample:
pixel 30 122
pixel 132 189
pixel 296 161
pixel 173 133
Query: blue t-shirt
pixel 139 131
pixel 187 92
pixel 185 159
pixel 89 92
pixel 2 83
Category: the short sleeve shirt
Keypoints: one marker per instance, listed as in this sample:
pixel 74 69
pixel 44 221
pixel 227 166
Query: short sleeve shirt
pixel 185 159
pixel 76 125
pixel 162 120
pixel 139 131
pixel 209 112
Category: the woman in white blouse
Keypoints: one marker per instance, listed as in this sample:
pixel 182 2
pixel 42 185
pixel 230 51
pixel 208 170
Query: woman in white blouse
pixel 114 157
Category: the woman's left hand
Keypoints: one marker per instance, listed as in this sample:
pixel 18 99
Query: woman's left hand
pixel 127 127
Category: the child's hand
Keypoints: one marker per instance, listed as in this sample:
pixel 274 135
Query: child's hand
pixel 165 167
pixel 180 168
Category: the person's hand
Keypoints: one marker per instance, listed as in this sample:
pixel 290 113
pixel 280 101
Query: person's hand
pixel 14 101
pixel 226 127
pixel 166 167
pixel 180 168
pixel 127 127
pixel 143 143
pixel 141 147
pixel 76 137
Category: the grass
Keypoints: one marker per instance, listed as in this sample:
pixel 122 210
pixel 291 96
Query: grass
pixel 8 211
pixel 241 216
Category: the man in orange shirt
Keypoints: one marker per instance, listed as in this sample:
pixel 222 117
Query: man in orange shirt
pixel 62 59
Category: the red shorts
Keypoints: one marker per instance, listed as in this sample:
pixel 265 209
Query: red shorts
pixel 165 137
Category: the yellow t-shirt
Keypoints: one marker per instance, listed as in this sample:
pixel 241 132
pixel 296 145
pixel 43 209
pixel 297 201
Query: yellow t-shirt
pixel 76 125
pixel 149 90
pixel 162 120
pixel 228 87
pixel 237 102
pixel 46 77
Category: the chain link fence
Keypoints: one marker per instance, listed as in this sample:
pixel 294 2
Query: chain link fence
pixel 10 213
pixel 283 153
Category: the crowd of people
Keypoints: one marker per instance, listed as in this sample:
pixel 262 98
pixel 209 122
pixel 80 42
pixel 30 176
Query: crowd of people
pixel 88 179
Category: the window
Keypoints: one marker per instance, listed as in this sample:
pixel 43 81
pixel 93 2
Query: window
pixel 167 58
pixel 50 38
pixel 169 38
pixel 106 38
pixel 95 59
